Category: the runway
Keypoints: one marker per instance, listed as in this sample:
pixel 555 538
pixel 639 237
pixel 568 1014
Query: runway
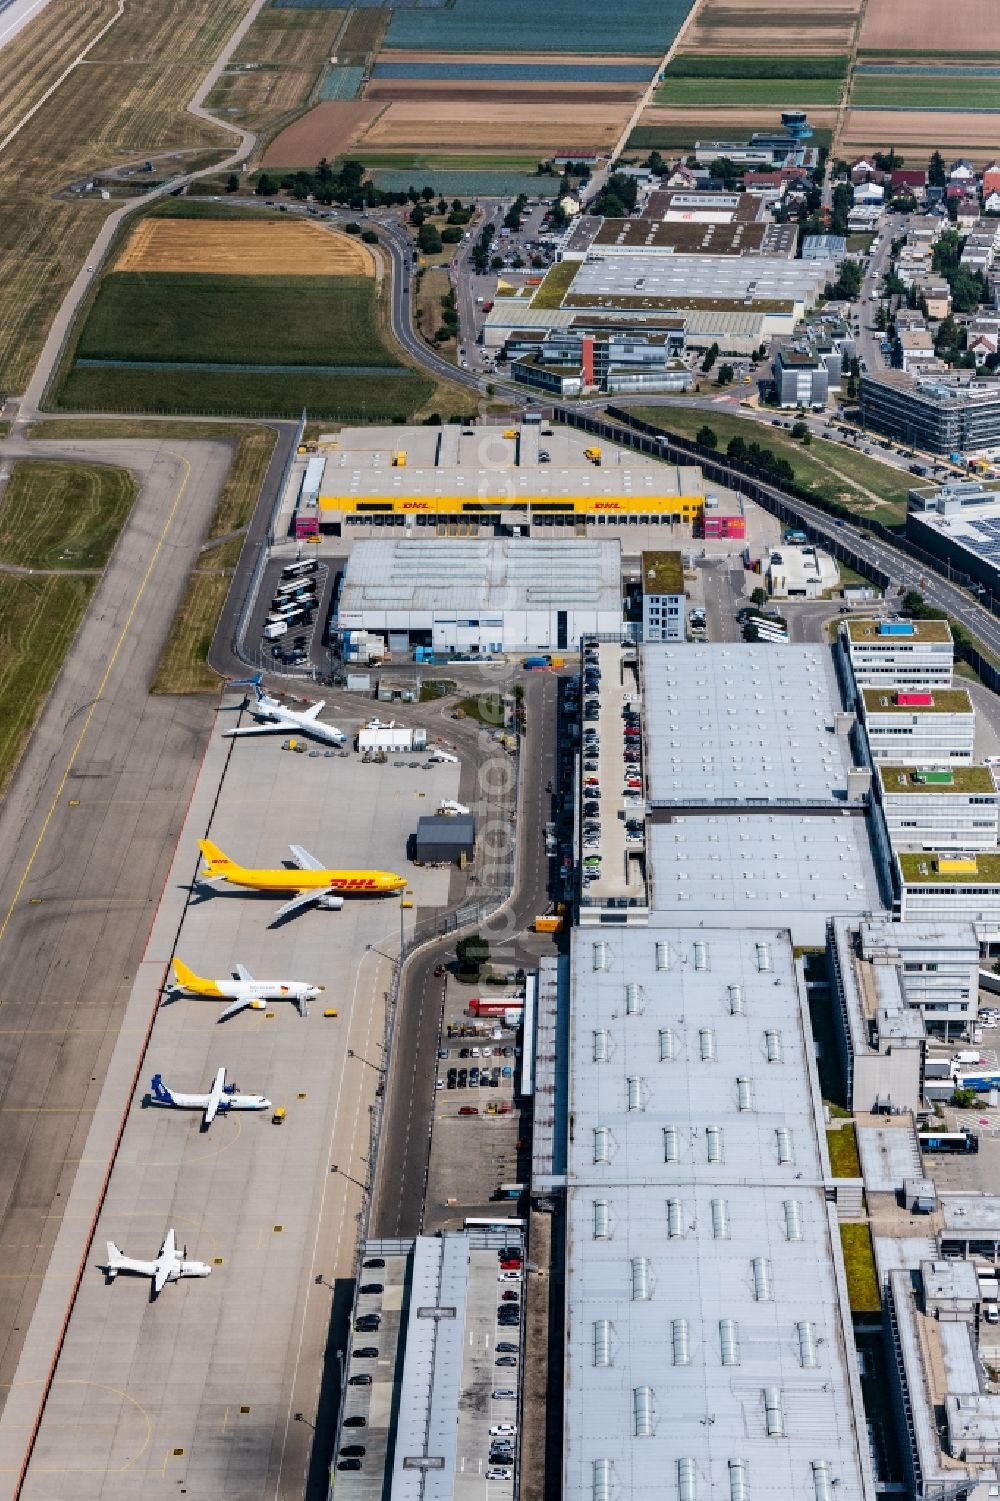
pixel 86 834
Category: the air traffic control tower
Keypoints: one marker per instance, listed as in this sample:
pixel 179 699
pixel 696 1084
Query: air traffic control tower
pixel 796 122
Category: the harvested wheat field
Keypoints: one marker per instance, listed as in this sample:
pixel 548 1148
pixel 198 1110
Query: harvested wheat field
pixel 729 121
pixel 328 129
pixel 955 132
pixel 268 247
pixel 428 125
pixel 967 26
pixel 572 94
pixel 801 25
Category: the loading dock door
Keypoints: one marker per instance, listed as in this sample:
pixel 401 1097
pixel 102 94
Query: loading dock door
pixel 562 623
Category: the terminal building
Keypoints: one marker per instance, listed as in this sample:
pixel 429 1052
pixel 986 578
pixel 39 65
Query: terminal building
pixel 709 1348
pixel 482 595
pixel 912 655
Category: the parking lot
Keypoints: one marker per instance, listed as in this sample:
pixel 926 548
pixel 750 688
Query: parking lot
pixel 611 796
pixel 288 620
pixel 371 1371
pixel 198 1389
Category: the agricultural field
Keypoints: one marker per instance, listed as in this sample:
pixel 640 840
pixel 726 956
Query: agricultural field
pixel 917 133
pixel 972 26
pixel 464 182
pixel 341 83
pixel 462 70
pixel 228 247
pixel 506 26
pixel 810 26
pixel 779 93
pixel 57 517
pixel 909 88
pixel 328 129
pixel 362 34
pixel 493 125
pixel 128 100
pixel 276 66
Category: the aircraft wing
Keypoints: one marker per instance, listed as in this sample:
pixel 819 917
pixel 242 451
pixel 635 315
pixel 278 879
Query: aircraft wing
pixel 314 712
pixel 261 729
pixel 303 859
pixel 241 1005
pixel 297 904
pixel 168 1250
pixel 302 1004
pixel 242 973
pixel 215 1097
pixel 161 1274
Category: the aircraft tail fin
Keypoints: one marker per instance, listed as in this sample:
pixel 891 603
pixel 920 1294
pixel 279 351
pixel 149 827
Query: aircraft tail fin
pixel 159 1091
pixel 115 1260
pixel 184 977
pixel 217 862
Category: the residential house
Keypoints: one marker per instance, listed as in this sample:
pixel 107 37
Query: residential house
pixel 991 179
pixel 962 174
pixel 904 182
pixel 991 204
pixel 936 295
pixel 864 171
pixel 869 195
pixel 967 213
pixel 916 348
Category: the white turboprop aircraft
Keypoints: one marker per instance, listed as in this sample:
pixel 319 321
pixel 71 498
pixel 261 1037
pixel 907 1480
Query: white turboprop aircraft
pixel 245 992
pixel 170 1266
pixel 221 1097
pixel 277 717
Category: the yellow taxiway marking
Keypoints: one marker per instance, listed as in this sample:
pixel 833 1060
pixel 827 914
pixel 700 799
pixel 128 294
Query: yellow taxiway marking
pixel 98 696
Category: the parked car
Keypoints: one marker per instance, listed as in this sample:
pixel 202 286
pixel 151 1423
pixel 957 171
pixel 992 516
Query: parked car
pixel 499 1472
pixel 356 1421
pixel 506 1360
pixel 373 1262
pixel 504 1394
pixel 468 1110
pixel 366 1352
pixel 362 1379
pixel 353 1451
pixel 348 1464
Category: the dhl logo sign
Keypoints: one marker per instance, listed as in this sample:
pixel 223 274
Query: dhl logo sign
pixel 358 883
pixel 415 505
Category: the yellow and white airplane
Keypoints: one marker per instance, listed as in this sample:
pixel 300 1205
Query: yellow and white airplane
pixel 315 885
pixel 244 991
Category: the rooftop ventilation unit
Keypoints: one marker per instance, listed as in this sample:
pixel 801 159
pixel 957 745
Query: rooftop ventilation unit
pixel 602 1044
pixel 602 1144
pixel 713 1143
pixel 774 1417
pixel 602 1342
pixel 675 1218
pixel 763 957
pixel 736 1000
pixel 762 1289
pixel 671 1144
pixel 681 1342
pixel 602 1480
pixel 729 1341
pixel 700 955
pixel 668 1045
pixel 783 1142
pixel 663 956
pixel 602 1219
pixel 602 956
pixel 793 1219
pixel 706 1041
pixel 687 1480
pixel 642 1408
pixel 642 1279
pixel 636 1092
pixel 772 1042
pixel 744 1092
pixel 739 1488
pixel 633 1000
pixel 807 1343
pixel 822 1484
pixel 720 1219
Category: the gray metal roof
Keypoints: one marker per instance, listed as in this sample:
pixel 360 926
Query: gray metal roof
pixel 671 1034
pixel 739 723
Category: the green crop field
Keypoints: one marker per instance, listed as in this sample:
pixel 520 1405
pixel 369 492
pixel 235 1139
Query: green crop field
pixel 61 515
pixel 913 91
pixel 747 65
pixel 327 330
pixel 39 617
pixel 780 93
pixel 830 470
pixel 681 137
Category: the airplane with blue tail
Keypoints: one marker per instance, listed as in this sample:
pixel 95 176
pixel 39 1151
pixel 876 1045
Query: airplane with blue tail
pixel 221 1097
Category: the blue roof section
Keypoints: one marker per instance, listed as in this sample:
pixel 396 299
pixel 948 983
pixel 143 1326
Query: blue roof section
pixel 896 628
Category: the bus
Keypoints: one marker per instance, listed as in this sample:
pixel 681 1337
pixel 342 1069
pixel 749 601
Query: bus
pixel 299 569
pixel 948 1141
pixel 295 586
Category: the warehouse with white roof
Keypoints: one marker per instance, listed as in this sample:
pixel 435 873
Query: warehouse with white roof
pixel 709 1348
pixel 486 595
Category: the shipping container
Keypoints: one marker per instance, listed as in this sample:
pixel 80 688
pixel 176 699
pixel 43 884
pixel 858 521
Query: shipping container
pixel 488 1006
pixel 549 924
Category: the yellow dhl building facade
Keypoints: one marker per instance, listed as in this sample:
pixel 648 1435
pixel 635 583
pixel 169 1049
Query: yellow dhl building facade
pixel 685 507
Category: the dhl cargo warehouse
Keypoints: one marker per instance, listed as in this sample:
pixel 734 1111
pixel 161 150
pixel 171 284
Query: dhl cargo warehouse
pixel 516 478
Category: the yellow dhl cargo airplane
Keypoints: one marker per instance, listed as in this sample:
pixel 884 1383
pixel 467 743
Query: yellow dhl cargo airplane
pixel 315 885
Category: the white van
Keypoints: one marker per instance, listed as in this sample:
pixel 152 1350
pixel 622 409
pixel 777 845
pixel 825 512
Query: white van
pixel 276 628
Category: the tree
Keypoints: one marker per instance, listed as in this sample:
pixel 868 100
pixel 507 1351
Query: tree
pixel 705 437
pixel 711 355
pixel 736 449
pixel 887 161
pixel 353 228
pixel 799 430
pixel 471 954
pixel 369 236
pixel 232 183
pixel 726 170
pixel 427 193
pixel 840 208
pixel 847 287
pixel 265 186
pixel 725 375
pixel 451 234
pixel 936 175
pixel 963 1099
pixel 417 215
pixel 442 206
pixel 429 239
